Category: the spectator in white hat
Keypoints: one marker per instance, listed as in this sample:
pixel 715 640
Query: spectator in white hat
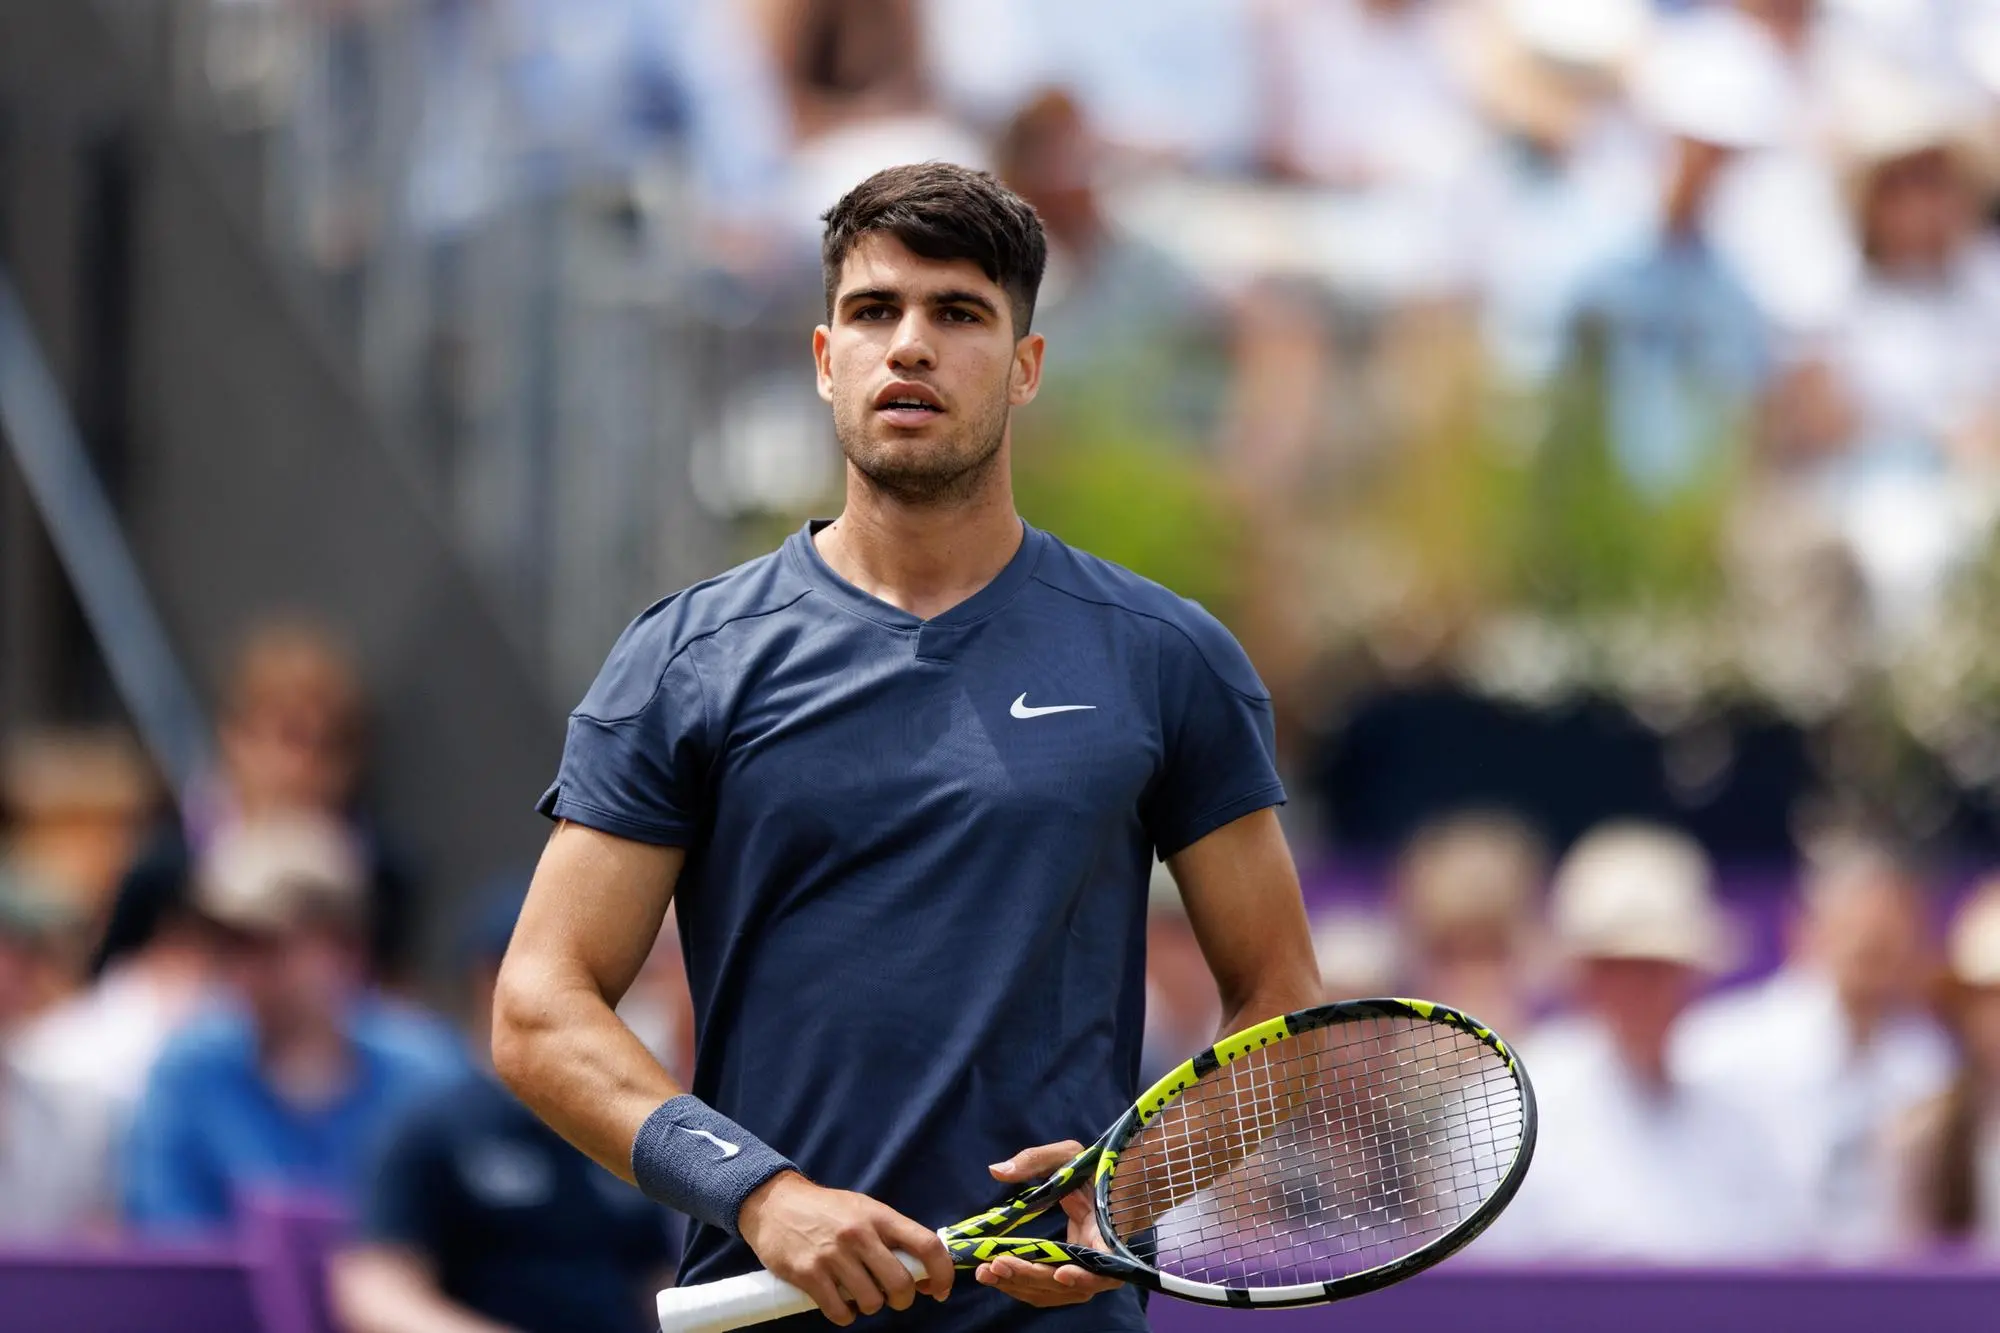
pixel 1909 466
pixel 1834 1048
pixel 1633 1164
pixel 1949 1147
pixel 1682 349
pixel 285 1086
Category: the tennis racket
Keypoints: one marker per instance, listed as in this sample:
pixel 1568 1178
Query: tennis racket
pixel 1310 1158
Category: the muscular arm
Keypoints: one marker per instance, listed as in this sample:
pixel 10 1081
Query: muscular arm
pixel 592 913
pixel 1243 902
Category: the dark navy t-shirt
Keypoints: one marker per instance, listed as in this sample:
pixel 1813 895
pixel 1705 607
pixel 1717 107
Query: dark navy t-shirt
pixel 914 900
pixel 519 1226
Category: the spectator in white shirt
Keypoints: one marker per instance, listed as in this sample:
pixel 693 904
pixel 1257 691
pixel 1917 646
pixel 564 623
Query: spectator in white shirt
pixel 1467 898
pixel 1833 1048
pixel 55 1148
pixel 1633 1163
pixel 1948 1149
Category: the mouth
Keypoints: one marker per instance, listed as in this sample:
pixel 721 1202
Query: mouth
pixel 908 406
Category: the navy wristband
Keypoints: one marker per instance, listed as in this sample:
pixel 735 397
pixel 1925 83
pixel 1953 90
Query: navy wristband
pixel 696 1160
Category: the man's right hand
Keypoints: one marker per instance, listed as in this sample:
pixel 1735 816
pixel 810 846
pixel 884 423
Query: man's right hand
pixel 836 1246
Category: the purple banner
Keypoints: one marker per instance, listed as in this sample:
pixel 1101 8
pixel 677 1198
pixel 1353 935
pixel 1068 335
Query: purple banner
pixel 1936 1300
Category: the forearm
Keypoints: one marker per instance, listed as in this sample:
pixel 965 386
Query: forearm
pixel 572 1061
pixel 381 1290
pixel 1278 991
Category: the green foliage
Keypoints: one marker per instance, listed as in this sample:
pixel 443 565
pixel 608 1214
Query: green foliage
pixel 1158 510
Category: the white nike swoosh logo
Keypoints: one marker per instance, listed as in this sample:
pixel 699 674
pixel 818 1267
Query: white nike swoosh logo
pixel 729 1149
pixel 1021 709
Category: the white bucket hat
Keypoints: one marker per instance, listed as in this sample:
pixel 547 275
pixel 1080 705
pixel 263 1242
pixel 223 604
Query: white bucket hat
pixel 1636 891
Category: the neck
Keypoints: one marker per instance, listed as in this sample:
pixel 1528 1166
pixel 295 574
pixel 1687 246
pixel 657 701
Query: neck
pixel 309 1064
pixel 923 557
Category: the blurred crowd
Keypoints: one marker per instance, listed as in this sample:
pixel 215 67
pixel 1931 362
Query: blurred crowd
pixel 1450 331
pixel 219 1007
pixel 207 1007
pixel 1462 301
pixel 1838 1103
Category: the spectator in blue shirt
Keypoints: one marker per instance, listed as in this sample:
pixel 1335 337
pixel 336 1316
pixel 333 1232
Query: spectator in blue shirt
pixel 286 1086
pixel 477 1216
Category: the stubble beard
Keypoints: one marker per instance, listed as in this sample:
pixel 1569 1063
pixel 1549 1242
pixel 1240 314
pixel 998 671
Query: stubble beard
pixel 941 471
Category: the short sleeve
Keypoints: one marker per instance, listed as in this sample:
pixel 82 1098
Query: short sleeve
pixel 1221 747
pixel 636 757
pixel 406 1194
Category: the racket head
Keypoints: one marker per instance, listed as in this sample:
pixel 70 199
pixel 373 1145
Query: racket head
pixel 1373 1138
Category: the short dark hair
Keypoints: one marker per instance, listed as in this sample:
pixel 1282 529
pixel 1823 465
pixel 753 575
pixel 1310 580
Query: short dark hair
pixel 942 211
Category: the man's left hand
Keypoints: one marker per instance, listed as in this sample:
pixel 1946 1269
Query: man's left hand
pixel 1042 1284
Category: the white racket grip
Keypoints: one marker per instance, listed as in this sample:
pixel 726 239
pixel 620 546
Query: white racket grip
pixel 737 1302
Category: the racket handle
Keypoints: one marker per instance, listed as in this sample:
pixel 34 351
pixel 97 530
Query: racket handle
pixel 736 1302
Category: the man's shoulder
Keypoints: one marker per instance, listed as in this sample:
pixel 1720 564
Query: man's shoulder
pixel 1185 624
pixel 752 589
pixel 206 1051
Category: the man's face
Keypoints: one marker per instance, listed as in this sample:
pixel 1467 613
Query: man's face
pixel 1869 938
pixel 296 980
pixel 922 367
pixel 1637 1000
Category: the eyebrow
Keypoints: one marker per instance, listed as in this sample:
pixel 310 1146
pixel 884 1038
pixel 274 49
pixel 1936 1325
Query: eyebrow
pixel 949 297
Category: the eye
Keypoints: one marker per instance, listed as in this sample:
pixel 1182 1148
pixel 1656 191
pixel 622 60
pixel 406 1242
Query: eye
pixel 959 315
pixel 874 313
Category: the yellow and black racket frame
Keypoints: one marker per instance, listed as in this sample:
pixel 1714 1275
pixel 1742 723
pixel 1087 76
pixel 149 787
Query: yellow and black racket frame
pixel 987 1235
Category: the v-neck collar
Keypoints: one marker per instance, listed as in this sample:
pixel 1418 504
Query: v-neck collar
pixel 999 590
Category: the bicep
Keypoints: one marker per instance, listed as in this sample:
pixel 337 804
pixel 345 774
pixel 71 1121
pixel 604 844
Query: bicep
pixel 593 910
pixel 1243 902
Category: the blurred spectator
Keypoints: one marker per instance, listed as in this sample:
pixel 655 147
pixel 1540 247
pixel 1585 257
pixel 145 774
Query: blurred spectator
pixel 1363 95
pixel 102 1042
pixel 77 803
pixel 1566 181
pixel 1827 1053
pixel 1949 1147
pixel 1634 1162
pixel 55 1148
pixel 862 98
pixel 1137 340
pixel 477 1217
pixel 1468 893
pixel 285 1086
pixel 1681 346
pixel 292 738
pixel 607 88
pixel 1912 436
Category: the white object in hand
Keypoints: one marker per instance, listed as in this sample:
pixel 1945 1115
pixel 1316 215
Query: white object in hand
pixel 736 1302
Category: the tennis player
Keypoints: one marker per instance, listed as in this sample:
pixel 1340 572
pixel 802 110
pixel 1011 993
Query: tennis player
pixel 905 777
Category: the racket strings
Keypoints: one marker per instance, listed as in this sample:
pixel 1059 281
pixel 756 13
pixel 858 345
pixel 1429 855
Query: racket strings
pixel 1320 1156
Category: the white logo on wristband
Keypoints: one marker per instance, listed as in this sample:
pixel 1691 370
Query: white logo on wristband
pixel 729 1149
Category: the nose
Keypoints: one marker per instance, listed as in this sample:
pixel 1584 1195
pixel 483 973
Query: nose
pixel 911 348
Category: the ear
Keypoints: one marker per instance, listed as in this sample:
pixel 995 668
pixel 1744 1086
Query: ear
pixel 1025 380
pixel 822 364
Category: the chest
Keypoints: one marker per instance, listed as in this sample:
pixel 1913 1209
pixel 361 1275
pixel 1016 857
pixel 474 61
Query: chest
pixel 1012 721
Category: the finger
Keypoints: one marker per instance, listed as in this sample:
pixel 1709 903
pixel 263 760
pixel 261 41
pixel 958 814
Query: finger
pixel 898 1286
pixel 1033 1284
pixel 1036 1161
pixel 857 1281
pixel 919 1241
pixel 826 1293
pixel 1082 1279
